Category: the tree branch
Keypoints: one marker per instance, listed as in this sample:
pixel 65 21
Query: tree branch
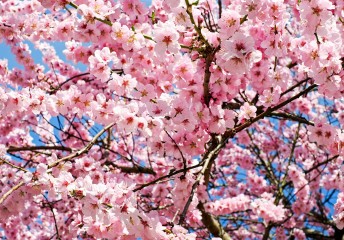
pixel 52 210
pixel 12 165
pixel 83 150
pixel 289 116
pixel 207 159
pixel 212 224
pixel 12 149
pixel 163 177
pixel 180 151
pixel 9 192
pixel 268 111
pixel 134 169
pixel 321 163
pixel 69 79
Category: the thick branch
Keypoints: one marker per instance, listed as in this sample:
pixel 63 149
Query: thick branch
pixel 267 232
pixel 12 149
pixel 207 159
pixel 212 224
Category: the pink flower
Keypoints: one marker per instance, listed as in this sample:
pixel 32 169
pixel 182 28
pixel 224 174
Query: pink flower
pixel 322 133
pixel 144 92
pixel 229 23
pixel 120 33
pixel 339 211
pixel 181 17
pixel 88 13
pixel 174 3
pixel 270 97
pixel 99 63
pixel 134 8
pixel 247 111
pixel 3 68
pixel 159 108
pixel 229 205
pixel 266 209
pixel 122 85
pixel 314 12
pixel 238 54
pixel 128 122
pixel 166 38
pixel 238 45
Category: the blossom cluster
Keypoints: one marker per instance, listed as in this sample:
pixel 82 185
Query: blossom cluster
pixel 178 120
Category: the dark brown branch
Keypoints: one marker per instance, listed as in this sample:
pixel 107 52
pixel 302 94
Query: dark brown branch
pixel 163 177
pixel 219 2
pixel 134 169
pixel 321 163
pixel 282 115
pixel 267 232
pixel 295 86
pixel 52 210
pixel 289 116
pixel 180 151
pixel 229 133
pixel 314 234
pixel 68 80
pixel 33 148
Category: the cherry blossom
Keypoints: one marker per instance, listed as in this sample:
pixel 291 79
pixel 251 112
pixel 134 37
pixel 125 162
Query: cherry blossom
pixel 166 39
pixel 171 120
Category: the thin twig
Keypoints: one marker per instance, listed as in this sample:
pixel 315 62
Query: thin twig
pixel 180 151
pixel 83 150
pixel 295 86
pixel 12 165
pixel 52 210
pixel 69 79
pixel 163 177
pixel 321 163
pixel 134 169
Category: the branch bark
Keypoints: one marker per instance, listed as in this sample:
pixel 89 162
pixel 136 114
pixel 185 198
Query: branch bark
pixel 9 192
pixel 213 224
pixel 12 149
pixel 83 150
pixel 134 169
